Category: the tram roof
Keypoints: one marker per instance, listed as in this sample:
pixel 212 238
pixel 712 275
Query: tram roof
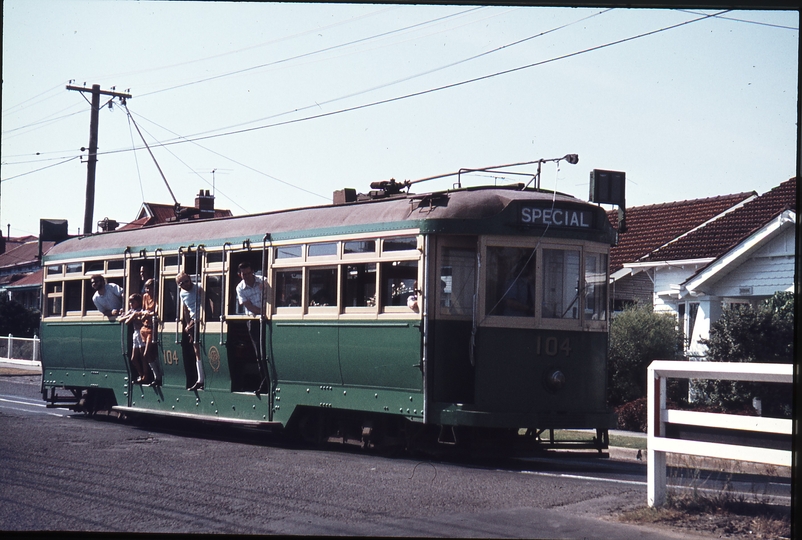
pixel 404 211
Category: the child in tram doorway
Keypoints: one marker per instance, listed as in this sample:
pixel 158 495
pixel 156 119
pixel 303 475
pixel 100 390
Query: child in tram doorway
pixel 134 317
pixel 148 332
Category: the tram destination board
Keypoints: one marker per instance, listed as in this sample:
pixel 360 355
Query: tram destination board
pixel 555 216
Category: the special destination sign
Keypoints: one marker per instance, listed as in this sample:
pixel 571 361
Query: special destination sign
pixel 556 216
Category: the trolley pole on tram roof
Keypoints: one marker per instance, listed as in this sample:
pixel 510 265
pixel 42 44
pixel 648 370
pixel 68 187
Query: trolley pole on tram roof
pixel 91 163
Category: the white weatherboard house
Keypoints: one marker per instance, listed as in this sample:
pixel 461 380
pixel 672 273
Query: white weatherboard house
pixel 722 251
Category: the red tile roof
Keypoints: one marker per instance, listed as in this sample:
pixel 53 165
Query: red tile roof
pixel 721 235
pixel 23 255
pixel 649 227
pixel 34 279
pixel 153 213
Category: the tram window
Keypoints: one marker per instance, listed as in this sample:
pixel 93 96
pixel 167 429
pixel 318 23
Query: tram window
pixel 457 280
pixel 322 287
pixel 73 294
pixel 402 243
pixel 214 295
pixel 321 250
pixel 74 268
pixel 54 269
pixel 510 281
pixel 214 257
pixel 190 263
pixel 289 252
pixel 289 285
pixel 54 299
pixel 359 246
pixel 95 267
pixel 359 285
pixel 595 286
pixel 560 284
pixel 168 303
pixel 171 260
pixel 116 265
pixel 399 281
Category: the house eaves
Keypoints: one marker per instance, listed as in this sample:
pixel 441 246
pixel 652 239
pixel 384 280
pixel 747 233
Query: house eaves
pixel 721 266
pixel 631 269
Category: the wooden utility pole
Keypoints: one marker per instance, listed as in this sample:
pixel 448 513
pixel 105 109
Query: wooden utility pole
pixel 91 164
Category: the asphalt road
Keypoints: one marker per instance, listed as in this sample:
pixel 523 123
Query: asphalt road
pixel 67 472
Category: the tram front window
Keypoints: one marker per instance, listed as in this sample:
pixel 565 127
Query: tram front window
pixel 595 286
pixel 560 284
pixel 457 281
pixel 510 281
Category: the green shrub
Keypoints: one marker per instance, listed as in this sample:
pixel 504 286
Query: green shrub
pixel 746 334
pixel 638 336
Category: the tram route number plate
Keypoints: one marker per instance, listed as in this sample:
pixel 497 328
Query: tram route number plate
pixel 552 346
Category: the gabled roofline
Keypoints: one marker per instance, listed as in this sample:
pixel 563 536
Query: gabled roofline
pixel 711 220
pixel 718 268
pixel 631 269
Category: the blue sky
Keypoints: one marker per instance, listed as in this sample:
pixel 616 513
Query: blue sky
pixel 288 102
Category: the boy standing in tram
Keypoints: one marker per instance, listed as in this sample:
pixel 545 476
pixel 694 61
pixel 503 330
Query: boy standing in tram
pixel 191 297
pixel 249 295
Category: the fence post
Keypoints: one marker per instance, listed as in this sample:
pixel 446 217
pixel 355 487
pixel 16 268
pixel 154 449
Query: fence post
pixel 10 344
pixel 655 460
pixel 35 356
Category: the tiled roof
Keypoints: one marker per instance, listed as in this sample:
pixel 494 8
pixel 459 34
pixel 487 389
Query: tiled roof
pixel 649 227
pixel 26 254
pixel 155 213
pixel 721 235
pixel 34 279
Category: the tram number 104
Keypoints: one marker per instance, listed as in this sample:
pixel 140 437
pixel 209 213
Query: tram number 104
pixel 170 357
pixel 551 346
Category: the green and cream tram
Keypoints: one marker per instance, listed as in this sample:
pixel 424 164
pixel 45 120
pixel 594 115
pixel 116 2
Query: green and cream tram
pixel 460 315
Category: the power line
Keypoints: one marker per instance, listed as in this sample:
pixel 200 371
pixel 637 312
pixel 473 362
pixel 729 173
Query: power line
pixel 312 53
pixel 439 88
pixel 40 169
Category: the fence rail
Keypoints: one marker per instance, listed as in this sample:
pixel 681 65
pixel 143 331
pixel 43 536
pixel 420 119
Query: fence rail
pixel 659 416
pixel 22 351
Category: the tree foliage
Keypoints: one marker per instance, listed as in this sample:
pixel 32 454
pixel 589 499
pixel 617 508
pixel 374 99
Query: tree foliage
pixel 747 334
pixel 638 336
pixel 16 319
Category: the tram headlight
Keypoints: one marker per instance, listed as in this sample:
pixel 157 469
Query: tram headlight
pixel 555 380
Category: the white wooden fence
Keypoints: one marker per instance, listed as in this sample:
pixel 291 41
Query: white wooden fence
pixel 658 416
pixel 20 351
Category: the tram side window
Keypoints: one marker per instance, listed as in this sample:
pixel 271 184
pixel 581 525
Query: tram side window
pixel 169 299
pixel 510 281
pixel 457 281
pixel 560 284
pixel 54 292
pixel 359 285
pixel 73 294
pixel 595 286
pixel 399 281
pixel 214 296
pixel 322 287
pixel 289 286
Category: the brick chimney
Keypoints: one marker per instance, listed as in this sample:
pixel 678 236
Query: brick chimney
pixel 205 203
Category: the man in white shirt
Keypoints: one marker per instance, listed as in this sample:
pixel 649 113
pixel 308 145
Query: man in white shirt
pixel 108 297
pixel 249 295
pixel 192 296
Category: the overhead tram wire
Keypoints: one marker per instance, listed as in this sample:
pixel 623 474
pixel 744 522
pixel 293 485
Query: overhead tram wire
pixel 440 88
pixel 190 168
pixel 177 205
pixel 405 79
pixel 41 169
pixel 312 53
pixel 232 160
